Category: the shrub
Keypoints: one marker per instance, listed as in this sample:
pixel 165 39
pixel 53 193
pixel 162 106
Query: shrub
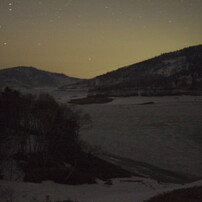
pixel 39 131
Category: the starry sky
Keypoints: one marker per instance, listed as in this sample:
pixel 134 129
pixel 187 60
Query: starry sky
pixel 86 38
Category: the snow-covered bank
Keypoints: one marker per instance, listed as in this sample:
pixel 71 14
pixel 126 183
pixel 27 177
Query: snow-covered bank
pixel 122 190
pixel 134 189
pixel 147 170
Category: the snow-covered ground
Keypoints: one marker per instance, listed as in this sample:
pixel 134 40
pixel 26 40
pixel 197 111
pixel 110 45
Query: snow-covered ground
pixel 134 189
pixel 166 134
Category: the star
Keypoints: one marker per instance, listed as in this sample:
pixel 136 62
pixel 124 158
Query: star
pixel 10 9
pixel 90 59
pixel 5 43
pixel 10 4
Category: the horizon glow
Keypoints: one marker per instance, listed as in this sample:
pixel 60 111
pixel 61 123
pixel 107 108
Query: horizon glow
pixel 88 38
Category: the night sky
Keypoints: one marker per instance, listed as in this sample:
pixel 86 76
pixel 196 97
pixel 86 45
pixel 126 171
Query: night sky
pixel 85 38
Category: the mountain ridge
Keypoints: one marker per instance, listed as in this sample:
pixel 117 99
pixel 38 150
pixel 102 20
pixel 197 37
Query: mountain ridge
pixel 179 70
pixel 28 77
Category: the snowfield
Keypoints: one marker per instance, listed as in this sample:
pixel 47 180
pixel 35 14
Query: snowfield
pixel 134 189
pixel 166 134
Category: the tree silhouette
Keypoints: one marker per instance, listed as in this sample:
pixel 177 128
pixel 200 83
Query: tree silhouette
pixel 37 125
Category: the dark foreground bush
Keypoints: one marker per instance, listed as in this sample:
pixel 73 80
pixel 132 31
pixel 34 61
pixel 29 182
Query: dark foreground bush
pixel 36 130
pixel 37 125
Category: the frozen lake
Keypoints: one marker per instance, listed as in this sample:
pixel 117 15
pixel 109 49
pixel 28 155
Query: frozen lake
pixel 167 134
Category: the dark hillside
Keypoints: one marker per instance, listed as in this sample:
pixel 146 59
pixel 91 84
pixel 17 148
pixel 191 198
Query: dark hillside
pixel 175 72
pixel 33 77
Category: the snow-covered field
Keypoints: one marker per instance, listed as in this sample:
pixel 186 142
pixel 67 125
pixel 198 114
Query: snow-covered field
pixel 166 134
pixel 134 189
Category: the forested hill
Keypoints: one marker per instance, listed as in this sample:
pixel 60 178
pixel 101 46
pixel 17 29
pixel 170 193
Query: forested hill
pixel 175 71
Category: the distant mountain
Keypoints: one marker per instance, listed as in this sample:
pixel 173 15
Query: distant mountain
pixel 29 77
pixel 170 73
